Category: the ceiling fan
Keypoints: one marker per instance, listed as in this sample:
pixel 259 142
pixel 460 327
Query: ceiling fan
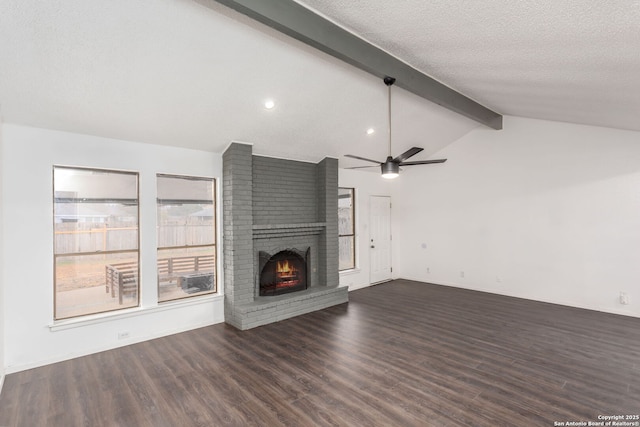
pixel 391 167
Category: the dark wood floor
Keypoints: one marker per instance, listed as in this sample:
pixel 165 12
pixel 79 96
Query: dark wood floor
pixel 399 354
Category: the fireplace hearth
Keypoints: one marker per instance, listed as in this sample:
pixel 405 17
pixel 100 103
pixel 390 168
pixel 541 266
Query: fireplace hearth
pixel 284 272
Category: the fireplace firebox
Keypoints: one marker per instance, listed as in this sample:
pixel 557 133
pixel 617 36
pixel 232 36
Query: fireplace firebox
pixel 283 272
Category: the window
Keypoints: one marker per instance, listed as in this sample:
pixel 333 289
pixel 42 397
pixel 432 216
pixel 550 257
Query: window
pixel 95 241
pixel 346 228
pixel 186 237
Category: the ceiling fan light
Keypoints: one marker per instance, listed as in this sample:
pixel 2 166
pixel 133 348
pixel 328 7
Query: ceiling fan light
pixel 390 169
pixel 390 175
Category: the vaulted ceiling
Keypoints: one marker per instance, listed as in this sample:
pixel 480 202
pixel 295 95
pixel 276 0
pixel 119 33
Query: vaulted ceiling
pixel 196 73
pixel 575 61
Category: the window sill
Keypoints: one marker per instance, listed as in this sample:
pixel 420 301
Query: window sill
pixel 61 325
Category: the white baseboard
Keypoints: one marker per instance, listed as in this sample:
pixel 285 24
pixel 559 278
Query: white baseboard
pixel 111 346
pixel 620 312
pixel 356 287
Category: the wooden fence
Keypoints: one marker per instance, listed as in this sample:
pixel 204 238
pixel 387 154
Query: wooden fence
pixel 85 237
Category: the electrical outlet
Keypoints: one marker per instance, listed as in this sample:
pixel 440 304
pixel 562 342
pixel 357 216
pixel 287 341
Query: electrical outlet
pixel 123 335
pixel 428 270
pixel 624 298
pixel 498 279
pixel 462 274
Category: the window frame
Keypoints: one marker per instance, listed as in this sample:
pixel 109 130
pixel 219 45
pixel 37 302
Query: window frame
pixel 214 245
pixel 353 228
pixel 98 252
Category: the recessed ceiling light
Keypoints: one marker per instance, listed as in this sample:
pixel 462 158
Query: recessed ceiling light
pixel 371 131
pixel 269 104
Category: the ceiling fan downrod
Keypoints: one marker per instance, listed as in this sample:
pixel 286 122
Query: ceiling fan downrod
pixel 389 81
pixel 390 168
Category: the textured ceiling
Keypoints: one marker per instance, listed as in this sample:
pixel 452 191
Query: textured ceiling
pixel 571 60
pixel 195 74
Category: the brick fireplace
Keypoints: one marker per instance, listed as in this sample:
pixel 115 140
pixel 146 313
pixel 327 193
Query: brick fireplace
pixel 278 210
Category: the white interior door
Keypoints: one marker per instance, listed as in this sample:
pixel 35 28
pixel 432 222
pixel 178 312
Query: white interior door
pixel 380 239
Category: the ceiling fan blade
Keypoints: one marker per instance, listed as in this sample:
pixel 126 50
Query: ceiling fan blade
pixel 362 158
pixel 422 162
pixel 362 167
pixel 409 153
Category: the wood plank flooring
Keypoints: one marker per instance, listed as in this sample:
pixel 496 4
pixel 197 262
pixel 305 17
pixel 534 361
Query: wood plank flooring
pixel 399 354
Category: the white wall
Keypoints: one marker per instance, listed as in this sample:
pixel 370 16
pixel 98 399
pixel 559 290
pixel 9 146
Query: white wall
pixel 367 184
pixel 540 210
pixel 2 319
pixel 32 338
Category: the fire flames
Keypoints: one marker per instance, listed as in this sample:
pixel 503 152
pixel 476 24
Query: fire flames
pixel 283 274
pixel 284 268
